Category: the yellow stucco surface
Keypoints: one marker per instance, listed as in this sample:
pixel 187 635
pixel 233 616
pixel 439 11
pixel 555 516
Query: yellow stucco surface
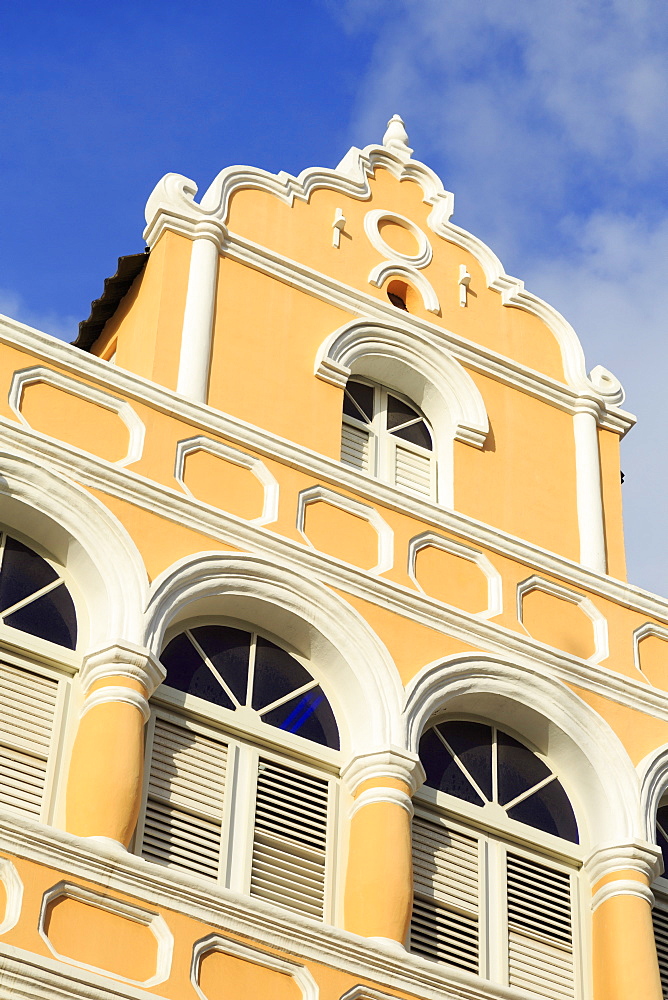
pixel 75 421
pixel 611 486
pixel 302 232
pixel 559 623
pixel 451 579
pixel 523 480
pixel 267 335
pixel 226 977
pixel 108 941
pixel 639 732
pixel 147 325
pixel 341 534
pixel 219 482
pixel 653 660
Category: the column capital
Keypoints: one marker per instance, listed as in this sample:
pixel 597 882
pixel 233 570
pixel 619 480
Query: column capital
pixel 192 225
pixel 636 855
pixel 122 660
pixel 388 762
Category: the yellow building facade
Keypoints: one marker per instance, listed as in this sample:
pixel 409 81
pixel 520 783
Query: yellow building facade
pixel 321 677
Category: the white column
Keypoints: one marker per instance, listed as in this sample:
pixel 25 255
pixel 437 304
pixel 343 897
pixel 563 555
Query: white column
pixel 588 490
pixel 196 337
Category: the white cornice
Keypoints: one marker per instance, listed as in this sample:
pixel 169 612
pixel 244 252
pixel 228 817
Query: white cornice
pixel 215 907
pixel 483 635
pixel 84 365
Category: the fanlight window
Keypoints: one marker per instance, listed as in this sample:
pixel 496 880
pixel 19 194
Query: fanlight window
pixel 233 668
pixel 33 596
pixel 660 890
pixel 485 856
pixel 34 600
pixel 386 436
pixel 253 810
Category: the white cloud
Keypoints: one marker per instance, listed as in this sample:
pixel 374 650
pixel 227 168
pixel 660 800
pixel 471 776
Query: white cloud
pixel 548 122
pixel 14 305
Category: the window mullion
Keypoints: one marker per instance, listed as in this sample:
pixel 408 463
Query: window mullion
pixel 240 818
pixel 497 910
pixel 383 443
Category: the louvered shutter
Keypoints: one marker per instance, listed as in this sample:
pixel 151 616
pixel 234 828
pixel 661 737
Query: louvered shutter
pixel 184 809
pixel 445 922
pixel 660 921
pixel 355 447
pixel 27 716
pixel 413 470
pixel 540 933
pixel 290 838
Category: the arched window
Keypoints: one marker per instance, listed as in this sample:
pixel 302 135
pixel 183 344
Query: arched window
pixel 386 436
pixel 660 890
pixel 495 890
pixel 35 605
pixel 242 754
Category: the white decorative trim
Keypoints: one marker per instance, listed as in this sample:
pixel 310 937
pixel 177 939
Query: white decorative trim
pixel 653 773
pixel 147 918
pixel 122 660
pixel 115 694
pixel 371 796
pixel 108 843
pixel 358 674
pixel 338 226
pixel 584 750
pixel 428 539
pixel 24 975
pixel 392 762
pixel 228 946
pixel 34 375
pixel 396 138
pixel 100 556
pixel 317 494
pixel 379 274
pixel 460 408
pixel 372 222
pixel 479 358
pixel 366 993
pixel 242 459
pixel 599 622
pixel 639 856
pixel 14 895
pixel 463 283
pixel 231 912
pixel 589 490
pixel 197 331
pixel 646 630
pixel 622 887
pixel 172 205
pixel 607 384
pixel 492 638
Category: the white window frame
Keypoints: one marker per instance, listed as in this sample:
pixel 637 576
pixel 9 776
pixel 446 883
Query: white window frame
pixel 660 884
pixel 499 834
pixel 247 739
pixel 57 663
pixel 383 442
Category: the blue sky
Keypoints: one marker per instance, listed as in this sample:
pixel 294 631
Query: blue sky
pixel 548 121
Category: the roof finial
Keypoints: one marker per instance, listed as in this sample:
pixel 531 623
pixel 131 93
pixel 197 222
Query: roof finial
pixel 396 138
